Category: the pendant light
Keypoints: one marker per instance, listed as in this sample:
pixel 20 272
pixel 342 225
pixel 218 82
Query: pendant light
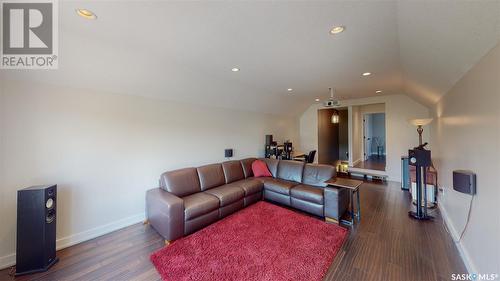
pixel 335 115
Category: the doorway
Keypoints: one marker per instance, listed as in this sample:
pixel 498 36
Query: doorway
pixel 333 143
pixel 374 142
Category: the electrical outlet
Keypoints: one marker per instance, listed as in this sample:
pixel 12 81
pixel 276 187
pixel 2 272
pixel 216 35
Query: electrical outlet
pixel 441 192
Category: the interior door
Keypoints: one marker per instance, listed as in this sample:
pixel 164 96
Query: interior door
pixel 328 138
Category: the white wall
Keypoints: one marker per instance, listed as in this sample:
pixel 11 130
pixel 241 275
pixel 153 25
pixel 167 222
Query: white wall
pixel 400 134
pixel 105 150
pixel 372 108
pixel 466 135
pixel 355 135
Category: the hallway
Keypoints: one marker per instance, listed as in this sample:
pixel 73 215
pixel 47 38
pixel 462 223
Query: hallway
pixel 374 162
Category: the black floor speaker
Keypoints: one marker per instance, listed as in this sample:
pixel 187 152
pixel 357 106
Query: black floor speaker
pixel 36 229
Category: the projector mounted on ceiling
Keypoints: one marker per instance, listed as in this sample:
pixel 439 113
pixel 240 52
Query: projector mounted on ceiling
pixel 331 102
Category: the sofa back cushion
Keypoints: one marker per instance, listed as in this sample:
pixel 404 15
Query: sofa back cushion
pixel 272 165
pixel 290 170
pixel 181 182
pixel 316 175
pixel 246 164
pixel 233 171
pixel 211 176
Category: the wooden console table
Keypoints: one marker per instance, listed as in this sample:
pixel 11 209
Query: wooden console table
pixel 353 187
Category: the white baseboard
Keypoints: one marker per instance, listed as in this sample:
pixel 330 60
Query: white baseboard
pixel 7 261
pixel 64 242
pixel 471 268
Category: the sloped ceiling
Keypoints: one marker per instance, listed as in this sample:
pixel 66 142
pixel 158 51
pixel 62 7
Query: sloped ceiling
pixel 184 51
pixel 441 40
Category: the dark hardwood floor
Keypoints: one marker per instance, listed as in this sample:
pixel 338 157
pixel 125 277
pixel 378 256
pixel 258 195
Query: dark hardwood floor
pixel 372 163
pixel 386 245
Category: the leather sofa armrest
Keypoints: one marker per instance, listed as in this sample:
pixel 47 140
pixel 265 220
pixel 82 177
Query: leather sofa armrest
pixel 165 213
pixel 336 202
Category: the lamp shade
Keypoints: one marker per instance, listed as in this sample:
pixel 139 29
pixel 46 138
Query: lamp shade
pixel 420 122
pixel 335 117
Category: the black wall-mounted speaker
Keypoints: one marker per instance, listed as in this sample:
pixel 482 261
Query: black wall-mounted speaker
pixel 464 181
pixel 228 153
pixel 269 139
pixel 36 229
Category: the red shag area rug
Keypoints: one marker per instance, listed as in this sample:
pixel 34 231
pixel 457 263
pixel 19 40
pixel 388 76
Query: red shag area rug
pixel 260 242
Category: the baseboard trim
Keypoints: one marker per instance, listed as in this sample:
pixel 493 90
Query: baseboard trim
pixel 64 242
pixel 7 261
pixel 464 254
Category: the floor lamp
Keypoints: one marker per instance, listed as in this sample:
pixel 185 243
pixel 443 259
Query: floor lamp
pixel 420 123
pixel 421 159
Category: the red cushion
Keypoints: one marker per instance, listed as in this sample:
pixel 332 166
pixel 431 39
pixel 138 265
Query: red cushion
pixel 260 169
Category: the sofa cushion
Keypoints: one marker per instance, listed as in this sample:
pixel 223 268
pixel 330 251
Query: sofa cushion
pixel 227 194
pixel 308 193
pixel 259 169
pixel 272 165
pixel 316 175
pixel 246 164
pixel 181 182
pixel 290 170
pixel 211 176
pixel 306 206
pixel 278 186
pixel 250 185
pixel 199 204
pixel 232 171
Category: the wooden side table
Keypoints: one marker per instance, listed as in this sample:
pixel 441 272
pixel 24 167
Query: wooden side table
pixel 353 187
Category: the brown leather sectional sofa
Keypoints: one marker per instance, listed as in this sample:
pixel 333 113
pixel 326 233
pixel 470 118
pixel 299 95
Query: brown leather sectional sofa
pixel 192 198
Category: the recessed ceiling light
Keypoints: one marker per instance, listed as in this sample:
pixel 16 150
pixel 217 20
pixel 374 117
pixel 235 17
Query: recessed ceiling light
pixel 378 91
pixel 84 13
pixel 289 89
pixel 235 69
pixel 317 100
pixel 367 74
pixel 337 29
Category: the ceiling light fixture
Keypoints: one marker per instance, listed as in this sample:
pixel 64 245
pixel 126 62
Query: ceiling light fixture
pixel 335 115
pixel 84 13
pixel 367 74
pixel 316 100
pixel 378 91
pixel 235 69
pixel 337 29
pixel 289 89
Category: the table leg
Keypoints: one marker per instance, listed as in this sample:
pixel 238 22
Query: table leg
pixel 350 210
pixel 352 207
pixel 359 206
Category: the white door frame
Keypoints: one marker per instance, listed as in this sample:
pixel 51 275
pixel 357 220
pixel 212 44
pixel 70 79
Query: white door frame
pixel 351 126
pixel 365 150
